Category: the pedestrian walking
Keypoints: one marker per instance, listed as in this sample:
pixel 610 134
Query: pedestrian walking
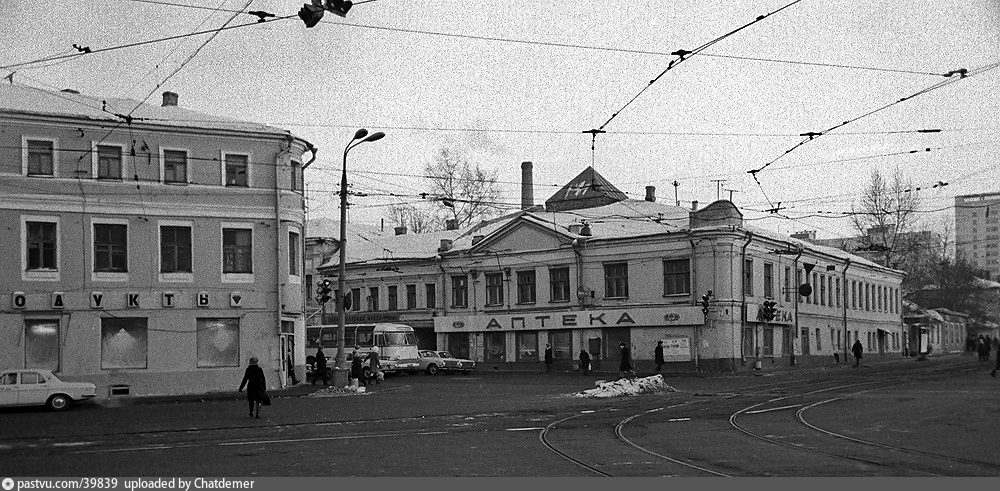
pixel 584 362
pixel 548 358
pixel 358 368
pixel 321 371
pixel 373 365
pixel 856 349
pixel 983 349
pixel 625 361
pixel 256 385
pixel 658 356
pixel 291 367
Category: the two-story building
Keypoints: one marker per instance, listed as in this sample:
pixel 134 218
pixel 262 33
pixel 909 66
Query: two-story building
pixel 594 269
pixel 149 249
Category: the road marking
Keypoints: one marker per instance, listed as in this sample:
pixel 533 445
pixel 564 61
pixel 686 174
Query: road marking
pixel 773 409
pixel 678 419
pixel 72 444
pixel 526 429
pixel 314 439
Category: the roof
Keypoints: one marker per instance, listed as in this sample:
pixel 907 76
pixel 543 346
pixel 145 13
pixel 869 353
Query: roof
pixel 586 190
pixel 31 100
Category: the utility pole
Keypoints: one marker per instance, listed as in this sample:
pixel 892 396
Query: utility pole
pixel 731 191
pixel 718 188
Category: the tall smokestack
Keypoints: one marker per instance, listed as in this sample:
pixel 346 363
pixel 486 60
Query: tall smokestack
pixel 651 193
pixel 527 195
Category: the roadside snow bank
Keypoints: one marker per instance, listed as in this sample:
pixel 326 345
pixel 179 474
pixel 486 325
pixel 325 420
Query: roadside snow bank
pixel 628 387
pixel 350 390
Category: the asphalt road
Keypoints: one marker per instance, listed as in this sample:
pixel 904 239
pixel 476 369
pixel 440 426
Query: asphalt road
pixel 897 417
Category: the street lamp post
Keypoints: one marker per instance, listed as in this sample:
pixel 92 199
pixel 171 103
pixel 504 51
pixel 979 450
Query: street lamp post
pixel 340 365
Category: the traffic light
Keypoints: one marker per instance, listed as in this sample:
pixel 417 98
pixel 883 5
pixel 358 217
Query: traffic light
pixel 311 13
pixel 339 7
pixel 768 310
pixel 704 302
pixel 324 290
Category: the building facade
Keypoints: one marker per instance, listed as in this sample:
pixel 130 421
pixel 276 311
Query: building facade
pixel 592 272
pixel 977 231
pixel 151 249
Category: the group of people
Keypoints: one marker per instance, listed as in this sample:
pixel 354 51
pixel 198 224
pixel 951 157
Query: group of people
pixel 625 368
pixel 983 346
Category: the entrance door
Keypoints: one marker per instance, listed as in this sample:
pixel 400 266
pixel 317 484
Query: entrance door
pixel 786 343
pixel 287 349
pixel 805 341
pixel 612 338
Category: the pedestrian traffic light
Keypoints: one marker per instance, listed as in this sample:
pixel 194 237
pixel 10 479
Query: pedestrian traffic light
pixel 311 13
pixel 339 7
pixel 705 300
pixel 323 293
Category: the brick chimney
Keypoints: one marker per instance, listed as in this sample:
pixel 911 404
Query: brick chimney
pixel 400 230
pixel 694 205
pixel 451 224
pixel 527 195
pixel 169 99
pixel 651 193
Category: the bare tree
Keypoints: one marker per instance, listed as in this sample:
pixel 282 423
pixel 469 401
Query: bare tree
pixel 417 219
pixel 885 218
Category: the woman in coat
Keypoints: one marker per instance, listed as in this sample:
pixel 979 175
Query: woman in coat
pixel 256 384
pixel 357 368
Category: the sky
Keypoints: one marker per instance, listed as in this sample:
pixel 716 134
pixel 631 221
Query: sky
pixel 502 83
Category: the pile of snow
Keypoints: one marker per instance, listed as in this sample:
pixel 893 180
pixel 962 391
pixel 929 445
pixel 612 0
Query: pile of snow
pixel 350 390
pixel 628 387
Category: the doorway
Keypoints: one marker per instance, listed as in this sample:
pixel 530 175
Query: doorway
pixel 286 346
pixel 612 338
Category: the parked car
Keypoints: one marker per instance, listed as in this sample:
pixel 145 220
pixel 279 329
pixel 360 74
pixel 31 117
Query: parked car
pixel 434 361
pixel 37 387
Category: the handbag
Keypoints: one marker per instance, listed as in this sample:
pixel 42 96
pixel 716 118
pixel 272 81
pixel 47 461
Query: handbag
pixel 266 401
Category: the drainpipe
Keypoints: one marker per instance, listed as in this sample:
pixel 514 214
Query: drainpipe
pixel 795 294
pixel 277 252
pixel 444 286
pixel 743 308
pixel 578 252
pixel 694 289
pixel 848 265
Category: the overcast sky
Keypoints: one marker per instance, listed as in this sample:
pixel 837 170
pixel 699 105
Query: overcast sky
pixel 505 82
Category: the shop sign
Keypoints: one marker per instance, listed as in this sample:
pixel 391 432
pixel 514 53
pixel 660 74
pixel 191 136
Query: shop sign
pixel 674 316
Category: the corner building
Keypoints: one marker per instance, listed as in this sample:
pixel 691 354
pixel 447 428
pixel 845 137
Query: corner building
pixel 594 269
pixel 152 254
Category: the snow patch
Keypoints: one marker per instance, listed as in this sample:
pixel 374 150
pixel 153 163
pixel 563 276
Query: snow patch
pixel 628 387
pixel 350 390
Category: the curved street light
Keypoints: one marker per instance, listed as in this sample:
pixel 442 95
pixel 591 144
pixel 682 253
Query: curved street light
pixel 340 365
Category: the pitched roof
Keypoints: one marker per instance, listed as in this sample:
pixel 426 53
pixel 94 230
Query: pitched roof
pixel 31 100
pixel 586 190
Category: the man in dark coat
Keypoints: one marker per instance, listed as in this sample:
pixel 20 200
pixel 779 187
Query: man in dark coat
pixel 548 358
pixel 658 356
pixel 374 365
pixel 358 368
pixel 321 371
pixel 584 361
pixel 625 363
pixel 856 350
pixel 256 384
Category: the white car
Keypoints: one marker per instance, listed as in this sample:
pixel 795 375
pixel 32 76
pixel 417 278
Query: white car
pixel 37 387
pixel 434 361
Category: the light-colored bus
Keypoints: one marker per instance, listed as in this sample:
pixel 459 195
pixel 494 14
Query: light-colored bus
pixel 397 344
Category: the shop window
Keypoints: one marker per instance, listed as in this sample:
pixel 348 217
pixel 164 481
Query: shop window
pixel 123 342
pixel 767 348
pixel 527 345
pixel 495 346
pixel 458 344
pixel 218 342
pixel 562 347
pixel 41 344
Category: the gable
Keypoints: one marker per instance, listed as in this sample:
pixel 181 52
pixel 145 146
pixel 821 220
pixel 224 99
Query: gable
pixel 522 236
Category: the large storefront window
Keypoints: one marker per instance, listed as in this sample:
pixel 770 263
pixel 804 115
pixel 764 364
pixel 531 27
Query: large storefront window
pixel 562 344
pixel 527 346
pixel 495 346
pixel 123 342
pixel 218 343
pixel 458 344
pixel 41 344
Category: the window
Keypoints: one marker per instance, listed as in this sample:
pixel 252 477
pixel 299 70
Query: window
pixel 411 296
pixel 559 284
pixel 494 289
pixel 236 169
pixel 237 250
pixel 854 294
pixel 296 184
pixel 787 286
pixel 676 276
pixel 393 297
pixel 293 253
pixel 175 166
pixel 616 280
pixel 373 298
pixel 110 248
pixel 867 298
pixel 123 342
pixel 527 345
pixel 495 344
pixel 218 342
pixel 41 344
pixel 768 280
pixel 838 292
pixel 822 289
pixel 768 343
pixel 815 287
pixel 562 344
pixel 355 299
pixel 526 286
pixel 175 249
pixel 748 276
pixel 431 295
pixel 40 157
pixel 459 291
pixel 829 290
pixel 109 162
pixel 41 246
pixel 819 341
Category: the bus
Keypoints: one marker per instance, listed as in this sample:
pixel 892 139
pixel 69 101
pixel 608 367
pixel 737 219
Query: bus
pixel 397 344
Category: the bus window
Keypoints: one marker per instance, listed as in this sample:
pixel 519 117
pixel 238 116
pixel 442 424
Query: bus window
pixel 400 339
pixel 364 336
